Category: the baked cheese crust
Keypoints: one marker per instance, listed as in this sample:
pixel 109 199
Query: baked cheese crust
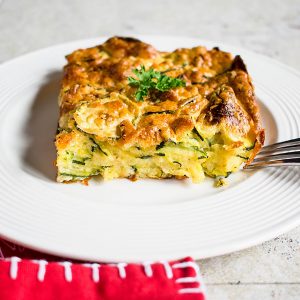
pixel 209 126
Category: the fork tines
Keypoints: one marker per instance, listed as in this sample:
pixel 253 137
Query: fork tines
pixel 280 154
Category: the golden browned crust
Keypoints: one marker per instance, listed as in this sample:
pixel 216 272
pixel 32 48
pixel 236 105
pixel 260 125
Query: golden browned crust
pixel 218 93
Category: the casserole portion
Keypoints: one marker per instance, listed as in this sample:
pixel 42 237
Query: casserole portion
pixel 196 115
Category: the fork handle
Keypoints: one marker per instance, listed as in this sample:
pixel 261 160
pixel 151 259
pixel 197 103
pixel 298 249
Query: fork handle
pixel 274 163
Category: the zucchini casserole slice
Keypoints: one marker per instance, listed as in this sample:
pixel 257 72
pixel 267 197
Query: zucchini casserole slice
pixel 128 110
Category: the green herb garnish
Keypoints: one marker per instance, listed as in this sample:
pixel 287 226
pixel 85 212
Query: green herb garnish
pixel 152 80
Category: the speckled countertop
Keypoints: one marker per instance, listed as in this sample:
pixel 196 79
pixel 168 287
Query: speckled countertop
pixel 268 271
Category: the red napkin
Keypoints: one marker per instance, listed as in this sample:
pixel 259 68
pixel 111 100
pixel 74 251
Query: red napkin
pixel 27 274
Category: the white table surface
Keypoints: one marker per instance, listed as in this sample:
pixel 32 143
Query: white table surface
pixel 267 271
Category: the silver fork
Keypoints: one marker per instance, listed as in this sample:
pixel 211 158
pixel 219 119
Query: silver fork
pixel 280 154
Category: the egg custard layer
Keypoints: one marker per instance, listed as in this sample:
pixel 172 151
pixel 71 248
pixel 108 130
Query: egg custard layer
pixel 208 125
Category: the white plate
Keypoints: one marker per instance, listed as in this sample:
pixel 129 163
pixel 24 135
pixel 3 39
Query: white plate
pixel 144 220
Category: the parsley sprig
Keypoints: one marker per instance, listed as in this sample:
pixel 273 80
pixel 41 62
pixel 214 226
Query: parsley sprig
pixel 152 80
